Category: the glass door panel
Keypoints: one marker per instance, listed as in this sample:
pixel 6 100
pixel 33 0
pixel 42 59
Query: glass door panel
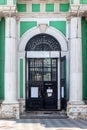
pixel 42 78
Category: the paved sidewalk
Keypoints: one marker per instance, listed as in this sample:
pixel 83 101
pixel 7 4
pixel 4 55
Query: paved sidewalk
pixel 43 124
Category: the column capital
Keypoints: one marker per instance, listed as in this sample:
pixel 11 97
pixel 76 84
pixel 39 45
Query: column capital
pixel 9 14
pixel 8 10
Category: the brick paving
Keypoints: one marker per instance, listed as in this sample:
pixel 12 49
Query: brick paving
pixel 43 124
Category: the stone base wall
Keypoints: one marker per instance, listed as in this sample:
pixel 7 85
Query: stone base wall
pixel 9 111
pixel 22 106
pixel 77 111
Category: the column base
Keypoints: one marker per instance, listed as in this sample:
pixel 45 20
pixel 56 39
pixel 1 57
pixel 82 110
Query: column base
pixel 22 105
pixel 9 111
pixel 77 111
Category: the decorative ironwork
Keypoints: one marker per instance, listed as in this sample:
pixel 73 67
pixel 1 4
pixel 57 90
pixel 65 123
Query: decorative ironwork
pixel 43 42
pixel 42 69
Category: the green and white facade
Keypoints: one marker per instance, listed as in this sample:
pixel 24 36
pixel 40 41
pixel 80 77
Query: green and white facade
pixel 23 20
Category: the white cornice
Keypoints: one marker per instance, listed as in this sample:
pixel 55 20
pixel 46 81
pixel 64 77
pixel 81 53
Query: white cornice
pixel 43 15
pixel 75 10
pixel 7 10
pixel 80 10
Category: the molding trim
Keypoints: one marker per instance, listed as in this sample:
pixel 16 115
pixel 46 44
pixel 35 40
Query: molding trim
pixel 50 30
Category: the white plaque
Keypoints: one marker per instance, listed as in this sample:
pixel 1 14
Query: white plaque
pixel 49 92
pixel 34 92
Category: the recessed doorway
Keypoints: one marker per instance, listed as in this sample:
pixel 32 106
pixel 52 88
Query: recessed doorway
pixel 44 74
pixel 42 87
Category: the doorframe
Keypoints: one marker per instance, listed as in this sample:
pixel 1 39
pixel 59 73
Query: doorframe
pixel 58 86
pixel 43 54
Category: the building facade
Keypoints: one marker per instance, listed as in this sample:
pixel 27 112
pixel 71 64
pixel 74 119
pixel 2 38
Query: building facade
pixel 43 57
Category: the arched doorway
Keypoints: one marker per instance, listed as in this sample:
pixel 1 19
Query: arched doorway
pixel 43 42
pixel 43 73
pixel 62 60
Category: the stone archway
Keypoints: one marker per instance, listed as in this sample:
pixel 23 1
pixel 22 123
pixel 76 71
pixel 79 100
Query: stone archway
pixel 50 31
pixel 36 31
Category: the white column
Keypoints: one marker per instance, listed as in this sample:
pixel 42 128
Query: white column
pixel 76 108
pixel 75 61
pixel 10 61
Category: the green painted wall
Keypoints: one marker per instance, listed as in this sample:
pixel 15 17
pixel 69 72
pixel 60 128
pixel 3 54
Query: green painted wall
pixel 60 25
pixel 2 2
pixel 49 7
pixel 84 56
pixel 64 7
pixel 24 26
pixel 35 7
pixel 83 1
pixel 21 78
pixel 21 7
pixel 2 57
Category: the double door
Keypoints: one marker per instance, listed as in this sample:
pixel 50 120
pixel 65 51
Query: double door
pixel 41 90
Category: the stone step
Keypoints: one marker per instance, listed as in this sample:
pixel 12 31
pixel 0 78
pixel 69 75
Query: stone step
pixel 43 115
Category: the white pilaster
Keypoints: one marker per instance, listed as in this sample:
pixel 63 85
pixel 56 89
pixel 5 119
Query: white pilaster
pixel 10 60
pixel 75 61
pixel 76 104
pixel 10 106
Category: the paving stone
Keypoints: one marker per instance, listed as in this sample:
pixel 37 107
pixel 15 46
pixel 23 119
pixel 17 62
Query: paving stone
pixel 43 124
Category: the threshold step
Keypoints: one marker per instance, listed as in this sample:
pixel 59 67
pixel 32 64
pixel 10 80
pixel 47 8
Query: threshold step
pixel 43 116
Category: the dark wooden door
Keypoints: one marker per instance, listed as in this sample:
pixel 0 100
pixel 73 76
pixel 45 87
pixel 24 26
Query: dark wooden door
pixel 41 90
pixel 50 95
